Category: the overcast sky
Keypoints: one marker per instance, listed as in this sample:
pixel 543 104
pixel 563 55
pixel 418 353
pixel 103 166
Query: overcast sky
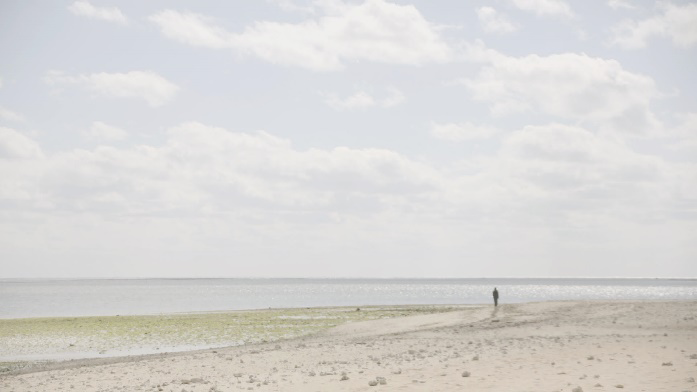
pixel 292 138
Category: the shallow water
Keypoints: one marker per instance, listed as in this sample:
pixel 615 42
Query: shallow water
pixel 101 297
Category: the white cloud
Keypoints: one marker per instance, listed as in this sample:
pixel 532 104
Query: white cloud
pixel 463 131
pixel 210 170
pixel 568 86
pixel 9 115
pixel 207 190
pixel 192 29
pixel 617 4
pixel 545 7
pixel 493 22
pixel 106 132
pixel 145 85
pixel 682 138
pixel 13 144
pixel 109 14
pixel 292 6
pixel 576 171
pixel 375 31
pixel 676 22
pixel 205 169
pixel 363 100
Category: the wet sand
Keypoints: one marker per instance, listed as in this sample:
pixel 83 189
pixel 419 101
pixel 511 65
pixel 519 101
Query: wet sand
pixel 551 346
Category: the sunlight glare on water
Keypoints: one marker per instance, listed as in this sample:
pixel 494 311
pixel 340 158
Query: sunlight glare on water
pixel 94 297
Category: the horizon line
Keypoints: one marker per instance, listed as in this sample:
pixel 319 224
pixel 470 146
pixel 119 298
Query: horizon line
pixel 343 277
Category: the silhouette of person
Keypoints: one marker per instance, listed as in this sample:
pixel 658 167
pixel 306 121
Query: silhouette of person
pixel 496 297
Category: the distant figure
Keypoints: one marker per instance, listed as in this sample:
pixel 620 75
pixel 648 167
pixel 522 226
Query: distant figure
pixel 496 297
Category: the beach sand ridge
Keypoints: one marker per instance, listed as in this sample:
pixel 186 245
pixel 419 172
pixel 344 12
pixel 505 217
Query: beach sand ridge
pixel 553 346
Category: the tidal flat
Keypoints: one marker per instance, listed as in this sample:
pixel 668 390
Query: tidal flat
pixel 28 342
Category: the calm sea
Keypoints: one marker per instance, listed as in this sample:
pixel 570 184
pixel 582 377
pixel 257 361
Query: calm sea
pixel 100 297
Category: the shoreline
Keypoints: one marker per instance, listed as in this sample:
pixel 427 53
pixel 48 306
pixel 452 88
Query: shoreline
pixel 554 346
pixel 30 341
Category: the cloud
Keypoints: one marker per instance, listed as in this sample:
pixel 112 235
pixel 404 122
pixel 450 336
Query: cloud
pixel 493 22
pixel 463 131
pixel 545 7
pixel 568 86
pixel 105 132
pixel 363 100
pixel 9 115
pixel 617 4
pixel 14 145
pixel 682 137
pixel 676 22
pixel 145 85
pixel 109 14
pixel 577 171
pixel 192 29
pixel 200 169
pixel 291 6
pixel 206 190
pixel 375 31
pixel 203 168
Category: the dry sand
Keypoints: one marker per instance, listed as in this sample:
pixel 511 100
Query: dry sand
pixel 551 346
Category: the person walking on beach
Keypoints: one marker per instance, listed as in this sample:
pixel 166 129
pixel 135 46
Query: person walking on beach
pixel 496 297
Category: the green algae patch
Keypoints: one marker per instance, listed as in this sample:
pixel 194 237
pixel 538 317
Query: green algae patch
pixel 60 338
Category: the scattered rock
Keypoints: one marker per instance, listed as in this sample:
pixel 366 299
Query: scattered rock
pixel 619 386
pixel 344 377
pixel 465 374
pixel 577 389
pixel 590 358
pixel 381 380
pixel 475 358
pixel 667 364
pixel 372 383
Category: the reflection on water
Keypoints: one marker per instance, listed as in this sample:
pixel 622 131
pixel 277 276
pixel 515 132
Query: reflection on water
pixel 97 297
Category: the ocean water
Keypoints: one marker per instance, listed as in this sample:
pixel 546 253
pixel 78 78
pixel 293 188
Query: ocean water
pixel 101 297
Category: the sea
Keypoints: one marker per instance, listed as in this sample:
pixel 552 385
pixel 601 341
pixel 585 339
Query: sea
pixel 29 298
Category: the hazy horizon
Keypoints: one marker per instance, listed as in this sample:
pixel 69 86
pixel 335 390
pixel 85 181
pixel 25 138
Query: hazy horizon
pixel 353 278
pixel 348 138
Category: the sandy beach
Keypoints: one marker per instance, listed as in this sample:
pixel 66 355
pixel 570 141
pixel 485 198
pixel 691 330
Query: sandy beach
pixel 550 346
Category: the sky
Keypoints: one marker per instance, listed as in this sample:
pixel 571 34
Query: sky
pixel 331 138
